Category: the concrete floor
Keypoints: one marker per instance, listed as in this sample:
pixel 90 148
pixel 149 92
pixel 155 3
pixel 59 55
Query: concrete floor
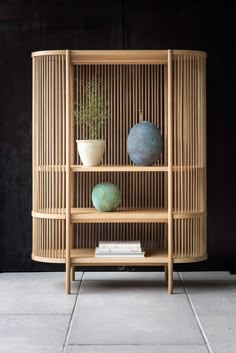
pixel 117 312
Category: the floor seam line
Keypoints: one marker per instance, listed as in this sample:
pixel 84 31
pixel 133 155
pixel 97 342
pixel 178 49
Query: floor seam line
pixel 65 344
pixel 207 343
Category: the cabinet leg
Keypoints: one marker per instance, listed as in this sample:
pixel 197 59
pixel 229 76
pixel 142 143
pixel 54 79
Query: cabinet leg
pixel 68 279
pixel 170 278
pixel 72 273
pixel 166 273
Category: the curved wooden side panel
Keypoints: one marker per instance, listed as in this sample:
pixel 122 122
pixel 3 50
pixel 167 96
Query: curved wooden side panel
pixel 189 152
pixel 48 150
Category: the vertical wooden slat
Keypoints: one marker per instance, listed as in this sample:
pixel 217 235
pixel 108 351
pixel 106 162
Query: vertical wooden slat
pixel 72 160
pixel 39 132
pixel 159 121
pixel 49 146
pixel 41 155
pixel 187 123
pixel 191 151
pixel 34 147
pixel 78 98
pixel 166 142
pixel 60 157
pixel 63 90
pixel 178 135
pixel 41 149
pixel 170 175
pixel 68 178
pixel 45 153
pixel 175 149
pixel 57 172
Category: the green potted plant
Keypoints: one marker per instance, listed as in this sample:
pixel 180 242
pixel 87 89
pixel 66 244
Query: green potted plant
pixel 91 113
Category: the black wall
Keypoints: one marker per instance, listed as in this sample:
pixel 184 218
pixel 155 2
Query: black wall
pixel 27 26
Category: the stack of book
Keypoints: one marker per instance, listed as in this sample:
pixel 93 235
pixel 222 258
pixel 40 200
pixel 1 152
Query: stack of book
pixel 119 249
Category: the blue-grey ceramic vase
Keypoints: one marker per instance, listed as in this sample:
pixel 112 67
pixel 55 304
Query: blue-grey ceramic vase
pixel 106 197
pixel 144 143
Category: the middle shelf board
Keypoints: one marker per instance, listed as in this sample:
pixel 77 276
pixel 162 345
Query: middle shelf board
pixel 87 257
pixel 91 215
pixel 119 168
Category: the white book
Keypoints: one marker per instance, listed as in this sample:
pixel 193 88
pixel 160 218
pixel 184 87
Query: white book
pixel 115 250
pixel 111 255
pixel 119 244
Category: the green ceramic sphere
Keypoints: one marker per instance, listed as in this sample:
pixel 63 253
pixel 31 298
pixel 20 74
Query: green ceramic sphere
pixel 106 197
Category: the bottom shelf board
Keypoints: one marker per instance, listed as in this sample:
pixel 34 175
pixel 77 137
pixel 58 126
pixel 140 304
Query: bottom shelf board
pixel 87 257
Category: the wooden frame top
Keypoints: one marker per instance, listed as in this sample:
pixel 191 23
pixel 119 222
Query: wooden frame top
pixel 119 56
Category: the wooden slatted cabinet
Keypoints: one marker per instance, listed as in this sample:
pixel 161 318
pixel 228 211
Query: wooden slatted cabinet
pixel 164 205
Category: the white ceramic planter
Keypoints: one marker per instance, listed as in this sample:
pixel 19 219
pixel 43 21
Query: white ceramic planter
pixel 90 151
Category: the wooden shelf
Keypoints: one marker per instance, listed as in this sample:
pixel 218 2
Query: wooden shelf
pixel 91 215
pixel 54 213
pixel 89 253
pixel 87 257
pixel 119 168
